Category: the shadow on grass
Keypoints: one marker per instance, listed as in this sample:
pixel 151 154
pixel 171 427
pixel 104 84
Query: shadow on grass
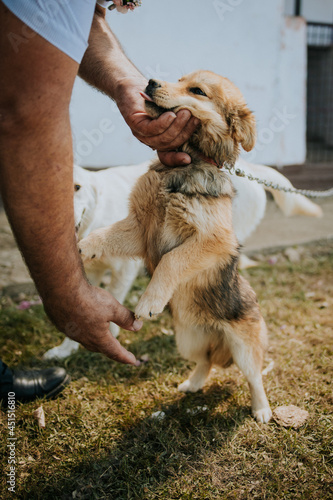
pixel 151 454
pixel 148 455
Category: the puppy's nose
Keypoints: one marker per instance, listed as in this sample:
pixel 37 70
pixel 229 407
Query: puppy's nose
pixel 151 87
pixel 153 84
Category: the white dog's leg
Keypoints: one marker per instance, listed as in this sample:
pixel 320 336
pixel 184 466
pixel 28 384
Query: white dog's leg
pixel 249 360
pixel 245 262
pixel 122 278
pixel 95 277
pixel 65 349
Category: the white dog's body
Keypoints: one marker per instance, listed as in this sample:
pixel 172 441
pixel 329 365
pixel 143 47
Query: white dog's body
pixel 102 200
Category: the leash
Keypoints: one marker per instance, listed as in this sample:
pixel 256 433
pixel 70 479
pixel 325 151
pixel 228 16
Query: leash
pixel 305 192
pixel 231 169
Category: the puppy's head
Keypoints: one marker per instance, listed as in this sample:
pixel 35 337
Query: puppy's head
pixel 225 120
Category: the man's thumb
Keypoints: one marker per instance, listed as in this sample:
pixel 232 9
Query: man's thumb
pixel 124 318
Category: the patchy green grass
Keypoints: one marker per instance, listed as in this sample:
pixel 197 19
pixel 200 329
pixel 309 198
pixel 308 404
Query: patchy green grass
pixel 101 442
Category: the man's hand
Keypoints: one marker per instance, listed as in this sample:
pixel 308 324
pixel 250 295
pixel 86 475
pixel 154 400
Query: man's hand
pixel 106 67
pixel 85 318
pixel 166 133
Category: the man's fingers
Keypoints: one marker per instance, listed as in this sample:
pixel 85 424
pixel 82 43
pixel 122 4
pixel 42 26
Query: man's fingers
pixel 114 350
pixel 144 126
pixel 179 132
pixel 165 128
pixel 107 344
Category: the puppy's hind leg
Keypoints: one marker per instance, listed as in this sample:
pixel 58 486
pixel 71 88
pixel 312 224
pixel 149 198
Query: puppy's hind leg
pixel 193 345
pixel 197 378
pixel 248 356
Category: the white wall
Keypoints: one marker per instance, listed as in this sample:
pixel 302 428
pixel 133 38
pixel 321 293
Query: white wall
pixel 289 7
pixel 249 42
pixel 318 11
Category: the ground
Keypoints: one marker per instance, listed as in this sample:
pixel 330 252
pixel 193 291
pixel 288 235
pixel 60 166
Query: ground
pixel 101 439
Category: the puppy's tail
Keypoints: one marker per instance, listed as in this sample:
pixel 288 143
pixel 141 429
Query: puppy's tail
pixel 289 203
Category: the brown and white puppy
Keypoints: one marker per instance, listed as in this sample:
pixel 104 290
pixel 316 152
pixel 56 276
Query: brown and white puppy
pixel 180 223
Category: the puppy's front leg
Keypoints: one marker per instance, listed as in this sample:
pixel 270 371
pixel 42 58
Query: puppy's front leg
pixel 122 239
pixel 174 268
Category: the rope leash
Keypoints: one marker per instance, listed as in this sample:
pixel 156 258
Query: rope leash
pixel 305 192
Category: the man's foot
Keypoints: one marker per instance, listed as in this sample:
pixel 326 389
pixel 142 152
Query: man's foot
pixel 28 385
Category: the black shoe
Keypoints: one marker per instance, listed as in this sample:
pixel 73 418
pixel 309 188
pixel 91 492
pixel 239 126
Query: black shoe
pixel 28 385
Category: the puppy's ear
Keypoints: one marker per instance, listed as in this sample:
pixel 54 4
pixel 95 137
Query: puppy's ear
pixel 243 127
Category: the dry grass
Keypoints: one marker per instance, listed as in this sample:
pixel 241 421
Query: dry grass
pixel 101 442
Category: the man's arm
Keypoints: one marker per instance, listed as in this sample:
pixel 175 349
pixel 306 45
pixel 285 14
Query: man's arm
pixel 36 181
pixel 106 67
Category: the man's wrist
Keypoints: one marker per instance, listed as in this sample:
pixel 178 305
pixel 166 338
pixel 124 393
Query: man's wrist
pixel 128 85
pixel 64 290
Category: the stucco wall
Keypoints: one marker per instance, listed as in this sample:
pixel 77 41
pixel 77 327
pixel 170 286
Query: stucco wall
pixel 249 42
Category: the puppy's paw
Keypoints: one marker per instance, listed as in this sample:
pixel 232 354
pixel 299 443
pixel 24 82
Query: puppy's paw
pixel 188 386
pixel 263 416
pixel 91 247
pixel 149 307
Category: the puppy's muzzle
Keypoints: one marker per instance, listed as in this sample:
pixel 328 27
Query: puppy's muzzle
pixel 151 87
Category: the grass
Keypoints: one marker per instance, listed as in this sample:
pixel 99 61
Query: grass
pixel 101 442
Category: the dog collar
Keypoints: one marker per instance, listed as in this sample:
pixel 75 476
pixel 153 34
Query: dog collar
pixel 211 161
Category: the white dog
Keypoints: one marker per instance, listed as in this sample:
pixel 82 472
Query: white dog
pixel 100 199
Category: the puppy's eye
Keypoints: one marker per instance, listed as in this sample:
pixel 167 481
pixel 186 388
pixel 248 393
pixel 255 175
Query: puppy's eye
pixel 197 91
pixel 77 187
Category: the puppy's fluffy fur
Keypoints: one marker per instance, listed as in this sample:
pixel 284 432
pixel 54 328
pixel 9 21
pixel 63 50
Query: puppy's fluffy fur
pixel 101 199
pixel 180 223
